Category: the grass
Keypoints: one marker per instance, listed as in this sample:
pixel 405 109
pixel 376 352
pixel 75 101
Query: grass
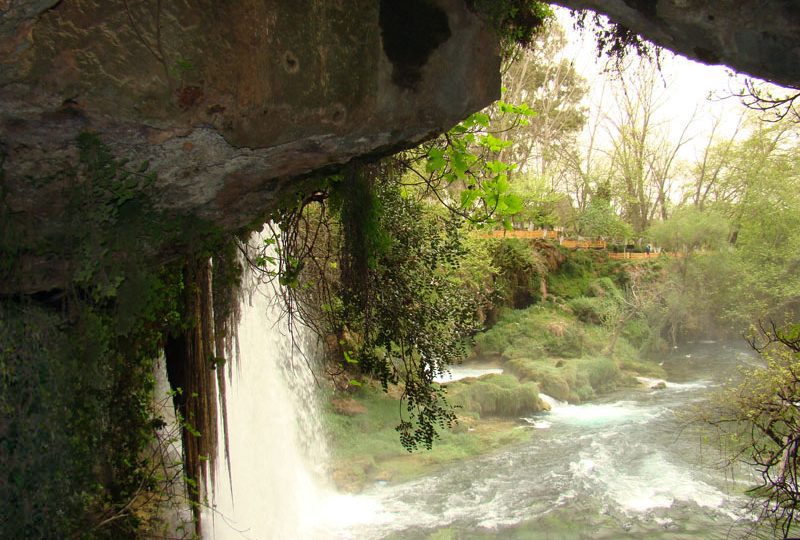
pixel 366 448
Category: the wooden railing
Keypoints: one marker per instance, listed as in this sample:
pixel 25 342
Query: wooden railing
pixel 550 235
pixel 583 244
pixel 578 244
pixel 635 256
pixel 539 233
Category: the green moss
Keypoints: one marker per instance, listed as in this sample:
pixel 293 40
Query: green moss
pixel 365 449
pixel 495 395
pixel 561 350
pixel 573 380
pixel 77 367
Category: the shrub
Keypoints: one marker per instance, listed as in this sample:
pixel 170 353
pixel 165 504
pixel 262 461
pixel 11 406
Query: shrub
pixel 588 309
pixel 637 332
pixel 604 287
pixel 550 380
pixel 603 373
pixel 495 395
pixel 569 380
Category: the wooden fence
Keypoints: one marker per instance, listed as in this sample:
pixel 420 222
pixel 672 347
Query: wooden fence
pixel 579 244
pixel 634 256
pixel 583 244
pixel 539 233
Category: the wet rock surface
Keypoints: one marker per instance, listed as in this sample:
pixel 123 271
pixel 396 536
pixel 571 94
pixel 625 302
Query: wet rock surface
pixel 229 103
pixel 760 38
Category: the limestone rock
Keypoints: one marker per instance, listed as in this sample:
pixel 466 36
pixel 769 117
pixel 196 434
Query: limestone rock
pixel 231 103
pixel 757 37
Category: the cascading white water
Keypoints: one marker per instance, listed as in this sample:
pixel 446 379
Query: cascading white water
pixel 277 449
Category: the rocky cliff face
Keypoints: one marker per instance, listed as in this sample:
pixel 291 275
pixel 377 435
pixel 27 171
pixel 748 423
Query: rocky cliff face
pixel 757 37
pixel 233 103
pixel 228 102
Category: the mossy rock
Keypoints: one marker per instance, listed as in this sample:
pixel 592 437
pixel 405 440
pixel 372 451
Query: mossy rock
pixel 496 395
pixel 573 380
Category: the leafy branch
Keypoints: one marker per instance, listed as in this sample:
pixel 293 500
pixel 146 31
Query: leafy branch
pixel 463 169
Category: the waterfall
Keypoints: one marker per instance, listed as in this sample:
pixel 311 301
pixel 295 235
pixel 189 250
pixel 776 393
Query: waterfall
pixel 277 449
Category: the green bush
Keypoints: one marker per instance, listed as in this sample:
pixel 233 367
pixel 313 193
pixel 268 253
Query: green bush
pixel 495 395
pixel 567 286
pixel 588 309
pixel 603 373
pixel 573 380
pixel 551 380
pixel 637 332
pixel 570 342
pixel 605 287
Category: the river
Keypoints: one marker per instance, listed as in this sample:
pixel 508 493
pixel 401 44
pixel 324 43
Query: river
pixel 621 466
pixel 618 467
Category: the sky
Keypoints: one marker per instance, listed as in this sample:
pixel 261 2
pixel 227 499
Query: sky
pixel 685 86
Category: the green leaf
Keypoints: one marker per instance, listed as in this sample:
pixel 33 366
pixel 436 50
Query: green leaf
pixel 493 143
pixel 436 160
pixel 482 119
pixel 468 197
pixel 459 162
pixel 513 204
pixel 501 184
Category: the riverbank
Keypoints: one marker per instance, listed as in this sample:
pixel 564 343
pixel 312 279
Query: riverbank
pixel 611 468
pixel 546 348
pixel 365 448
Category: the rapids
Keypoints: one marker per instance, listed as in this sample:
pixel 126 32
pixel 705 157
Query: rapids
pixel 618 466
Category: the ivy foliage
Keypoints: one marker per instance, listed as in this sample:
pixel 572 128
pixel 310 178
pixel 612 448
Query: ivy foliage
pixel 521 269
pixel 515 21
pixel 78 445
pixel 405 312
pixel 76 389
pixel 614 40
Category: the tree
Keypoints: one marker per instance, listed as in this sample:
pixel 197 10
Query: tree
pixel 760 195
pixel 759 425
pixel 708 172
pixel 642 154
pixel 585 166
pixel 539 200
pixel 600 219
pixel 747 221
pixel 686 289
pixel 554 89
pixel 689 230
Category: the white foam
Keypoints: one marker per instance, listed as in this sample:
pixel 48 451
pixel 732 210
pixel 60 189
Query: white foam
pixel 553 402
pixel 696 385
pixel 592 413
pixel 648 483
pixel 538 423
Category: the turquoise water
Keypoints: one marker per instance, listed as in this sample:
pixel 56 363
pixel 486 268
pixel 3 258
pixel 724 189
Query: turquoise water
pixel 621 467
